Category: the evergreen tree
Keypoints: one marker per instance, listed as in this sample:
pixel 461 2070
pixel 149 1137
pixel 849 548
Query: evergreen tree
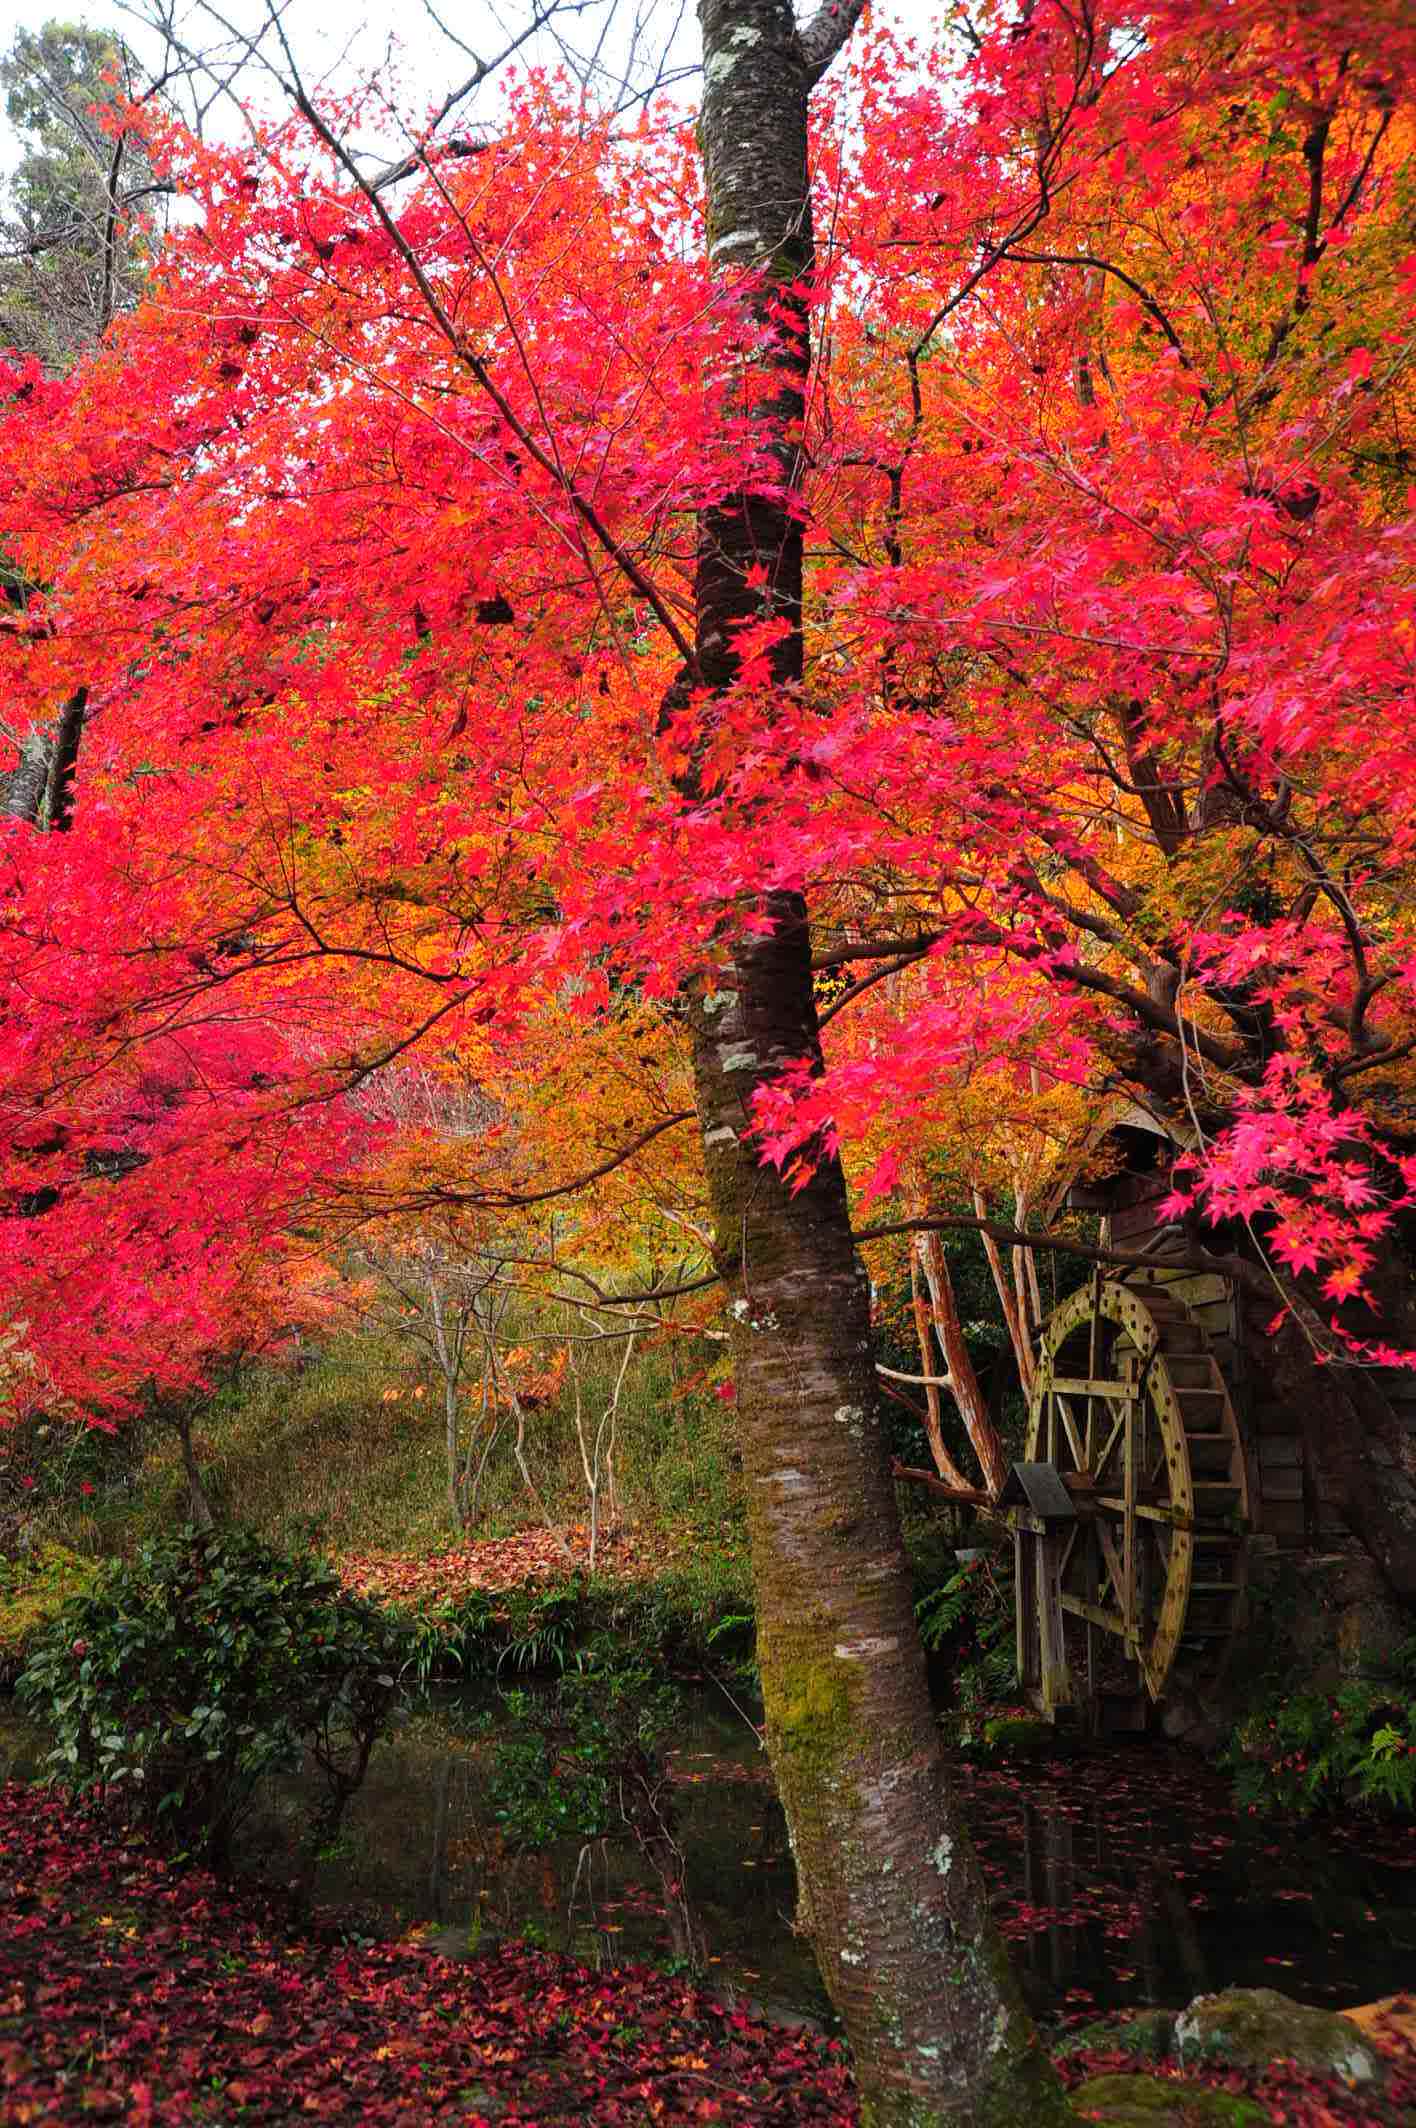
pixel 78 207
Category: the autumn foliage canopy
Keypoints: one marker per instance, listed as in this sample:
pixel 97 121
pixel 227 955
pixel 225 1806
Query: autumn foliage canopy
pixel 367 543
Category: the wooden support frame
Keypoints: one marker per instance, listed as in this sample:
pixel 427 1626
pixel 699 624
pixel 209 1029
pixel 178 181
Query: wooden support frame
pixel 1056 1677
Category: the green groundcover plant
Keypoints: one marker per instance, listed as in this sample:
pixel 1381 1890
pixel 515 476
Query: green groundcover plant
pixel 1302 1752
pixel 211 1662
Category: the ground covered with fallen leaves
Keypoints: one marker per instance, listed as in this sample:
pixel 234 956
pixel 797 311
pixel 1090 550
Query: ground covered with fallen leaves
pixel 527 1558
pixel 134 1990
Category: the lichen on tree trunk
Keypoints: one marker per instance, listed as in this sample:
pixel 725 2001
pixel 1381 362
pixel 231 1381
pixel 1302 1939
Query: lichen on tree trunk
pixel 893 1894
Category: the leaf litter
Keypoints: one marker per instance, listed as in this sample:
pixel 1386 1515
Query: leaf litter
pixel 135 1989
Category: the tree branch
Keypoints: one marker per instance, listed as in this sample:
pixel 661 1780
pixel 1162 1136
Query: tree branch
pixel 1238 1268
pixel 826 33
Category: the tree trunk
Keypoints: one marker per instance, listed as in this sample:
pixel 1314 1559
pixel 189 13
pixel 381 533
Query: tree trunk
pixel 198 1505
pixel 892 1892
pixel 40 786
pixel 28 780
pixel 984 1437
pixel 944 1462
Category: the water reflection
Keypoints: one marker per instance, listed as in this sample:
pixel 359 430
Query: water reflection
pixel 1121 1880
pixel 698 1874
pixel 1129 1879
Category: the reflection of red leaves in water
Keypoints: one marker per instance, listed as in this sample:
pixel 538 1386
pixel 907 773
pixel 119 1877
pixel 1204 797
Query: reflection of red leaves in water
pixel 133 1991
pixel 500 1563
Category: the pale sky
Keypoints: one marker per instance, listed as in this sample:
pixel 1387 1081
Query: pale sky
pixel 336 41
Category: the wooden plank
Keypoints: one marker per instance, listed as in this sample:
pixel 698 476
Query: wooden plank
pixel 1109 1621
pixel 1206 1289
pixel 1285 1520
pixel 1023 1610
pixel 1093 1362
pixel 1113 1563
pixel 1052 1647
pixel 1213 1315
pixel 1111 1440
pixel 1128 1533
pixel 1279 1450
pixel 1135 1224
pixel 1093 1570
pixel 1077 1385
pixel 1280 1485
pixel 1069 1427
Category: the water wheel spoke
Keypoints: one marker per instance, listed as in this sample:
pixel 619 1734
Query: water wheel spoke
pixel 1116 1573
pixel 1069 1427
pixel 1112 1441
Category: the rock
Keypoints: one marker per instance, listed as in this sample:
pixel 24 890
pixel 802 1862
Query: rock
pixel 1192 1719
pixel 788 2018
pixel 1146 2037
pixel 1344 1622
pixel 1252 2027
pixel 1155 2102
pixel 1017 1736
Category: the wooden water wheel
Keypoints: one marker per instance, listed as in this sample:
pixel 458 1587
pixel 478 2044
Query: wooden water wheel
pixel 1140 1586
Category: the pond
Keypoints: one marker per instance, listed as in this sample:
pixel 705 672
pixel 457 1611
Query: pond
pixel 1122 1878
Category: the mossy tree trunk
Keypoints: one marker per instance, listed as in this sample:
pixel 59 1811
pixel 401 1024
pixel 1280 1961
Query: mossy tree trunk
pixel 892 1892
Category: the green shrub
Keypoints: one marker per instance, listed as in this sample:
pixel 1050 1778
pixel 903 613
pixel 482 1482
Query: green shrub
pixel 1302 1752
pixel 969 1617
pixel 33 1591
pixel 178 1682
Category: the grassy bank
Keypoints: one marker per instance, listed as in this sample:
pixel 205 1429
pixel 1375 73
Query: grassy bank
pixel 346 1450
pixel 349 1444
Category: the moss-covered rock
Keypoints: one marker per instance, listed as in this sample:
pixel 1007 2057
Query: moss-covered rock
pixel 32 1591
pixel 1146 2037
pixel 1019 1736
pixel 1252 2027
pixel 1155 2102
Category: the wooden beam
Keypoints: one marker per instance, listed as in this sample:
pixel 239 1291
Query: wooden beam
pixel 1113 1564
pixel 1128 1534
pixel 1074 1439
pixel 1104 1458
pixel 1083 1385
pixel 1173 1517
pixel 1052 1646
pixel 1109 1621
pixel 1024 1611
